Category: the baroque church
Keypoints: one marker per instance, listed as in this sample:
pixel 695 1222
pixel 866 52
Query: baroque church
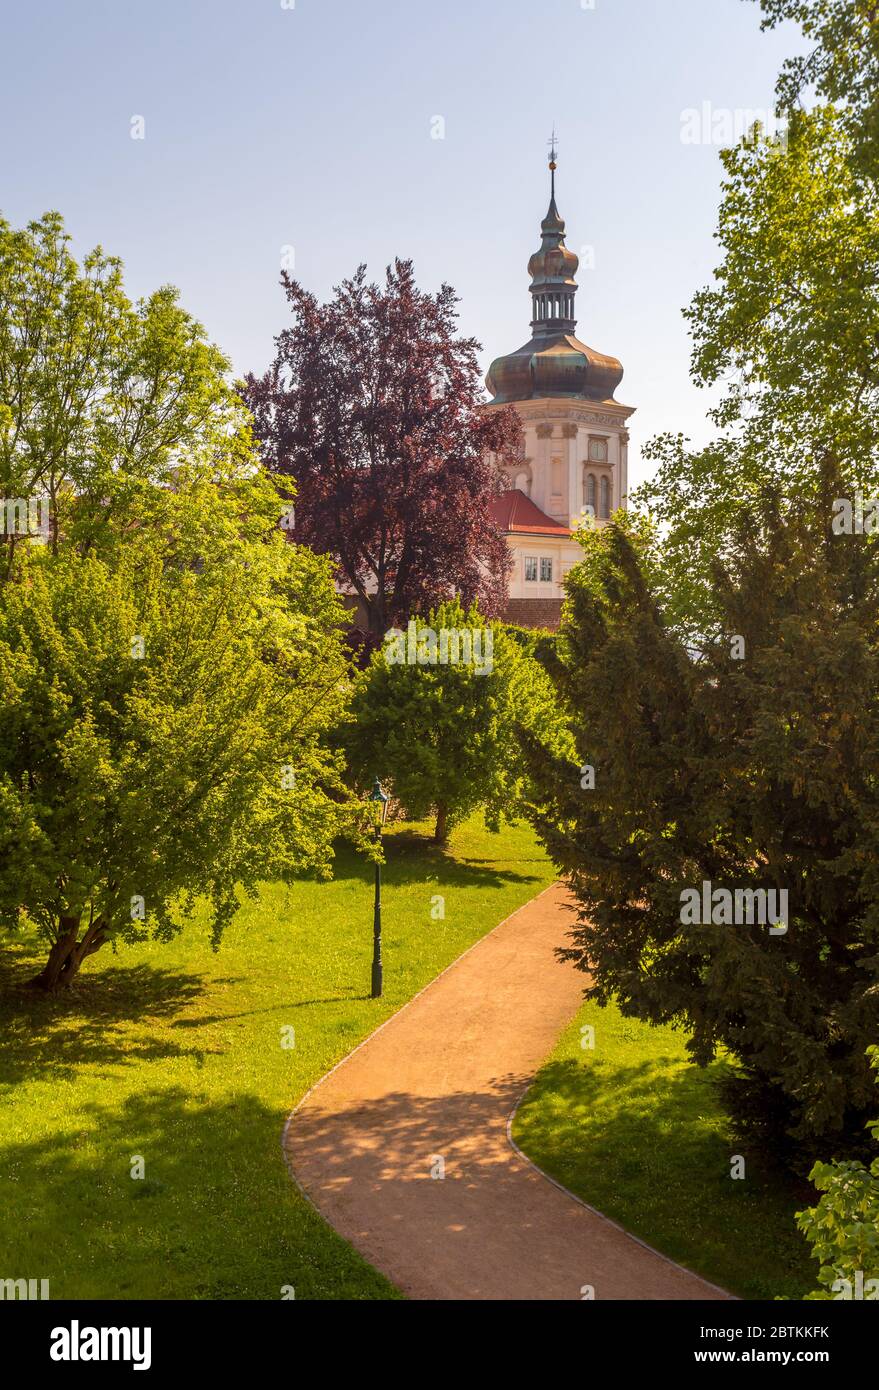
pixel 575 462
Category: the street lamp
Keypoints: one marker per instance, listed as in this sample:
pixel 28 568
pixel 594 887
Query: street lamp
pixel 379 813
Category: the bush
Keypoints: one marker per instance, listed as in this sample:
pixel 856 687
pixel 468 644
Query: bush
pixel 843 1229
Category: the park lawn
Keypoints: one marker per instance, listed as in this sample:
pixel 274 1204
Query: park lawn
pixel 173 1053
pixel 636 1130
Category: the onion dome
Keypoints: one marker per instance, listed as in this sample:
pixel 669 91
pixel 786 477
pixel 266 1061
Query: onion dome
pixel 553 362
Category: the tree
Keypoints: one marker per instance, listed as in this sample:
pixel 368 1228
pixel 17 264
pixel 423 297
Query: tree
pixel 162 737
pixel 790 329
pixel 843 1229
pixel 435 715
pixel 748 767
pixel 371 405
pixel 842 67
pixel 120 416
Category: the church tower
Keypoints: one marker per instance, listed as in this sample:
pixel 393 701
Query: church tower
pixel 576 456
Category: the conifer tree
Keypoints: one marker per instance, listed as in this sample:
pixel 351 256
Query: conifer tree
pixel 749 764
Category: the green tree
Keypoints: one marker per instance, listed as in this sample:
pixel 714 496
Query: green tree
pixel 748 766
pixel 843 1229
pixel 442 732
pixel 842 65
pixel 789 329
pixel 162 738
pixel 120 416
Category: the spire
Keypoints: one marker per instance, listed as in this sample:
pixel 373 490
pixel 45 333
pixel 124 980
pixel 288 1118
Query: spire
pixel 553 268
pixel 552 221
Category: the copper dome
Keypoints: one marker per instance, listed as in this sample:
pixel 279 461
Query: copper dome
pixel 554 366
pixel 553 362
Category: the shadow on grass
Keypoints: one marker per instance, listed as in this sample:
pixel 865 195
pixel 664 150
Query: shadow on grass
pixel 54 1035
pixel 215 1215
pixel 414 858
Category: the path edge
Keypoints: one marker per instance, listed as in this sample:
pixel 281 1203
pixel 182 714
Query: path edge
pixel 608 1220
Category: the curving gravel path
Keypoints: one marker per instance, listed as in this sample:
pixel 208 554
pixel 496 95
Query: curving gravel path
pixel 433 1090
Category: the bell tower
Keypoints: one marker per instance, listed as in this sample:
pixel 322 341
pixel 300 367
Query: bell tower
pixel 576 436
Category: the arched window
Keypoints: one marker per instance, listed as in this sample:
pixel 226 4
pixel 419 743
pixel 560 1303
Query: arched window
pixel 589 499
pixel 605 498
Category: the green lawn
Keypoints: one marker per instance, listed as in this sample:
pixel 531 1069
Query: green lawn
pixel 636 1130
pixel 173 1053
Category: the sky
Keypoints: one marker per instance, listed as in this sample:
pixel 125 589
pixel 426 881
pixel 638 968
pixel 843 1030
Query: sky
pixel 334 132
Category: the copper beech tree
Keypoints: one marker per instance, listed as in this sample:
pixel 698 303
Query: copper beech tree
pixel 372 405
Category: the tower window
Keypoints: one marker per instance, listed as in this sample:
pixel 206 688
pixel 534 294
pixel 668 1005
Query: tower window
pixel 589 493
pixel 598 450
pixel 605 498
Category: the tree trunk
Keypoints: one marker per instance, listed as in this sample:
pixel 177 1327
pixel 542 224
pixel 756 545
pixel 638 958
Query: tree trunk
pixel 441 834
pixel 68 954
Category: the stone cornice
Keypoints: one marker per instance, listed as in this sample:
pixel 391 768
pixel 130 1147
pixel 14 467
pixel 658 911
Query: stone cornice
pixel 559 410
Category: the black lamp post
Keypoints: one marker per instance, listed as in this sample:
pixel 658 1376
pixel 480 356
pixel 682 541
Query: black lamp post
pixel 379 811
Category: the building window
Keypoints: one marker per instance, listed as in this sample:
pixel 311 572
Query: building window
pixel 590 499
pixel 545 569
pixel 605 498
pixel 531 568
pixel 598 450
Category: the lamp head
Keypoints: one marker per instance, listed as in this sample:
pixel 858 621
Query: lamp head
pixel 379 803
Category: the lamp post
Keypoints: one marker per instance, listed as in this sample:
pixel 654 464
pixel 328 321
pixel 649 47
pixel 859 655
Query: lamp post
pixel 379 811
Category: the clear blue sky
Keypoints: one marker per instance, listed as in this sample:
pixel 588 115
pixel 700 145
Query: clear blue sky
pixel 311 127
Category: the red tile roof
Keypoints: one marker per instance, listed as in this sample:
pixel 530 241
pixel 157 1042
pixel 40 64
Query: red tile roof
pixel 513 511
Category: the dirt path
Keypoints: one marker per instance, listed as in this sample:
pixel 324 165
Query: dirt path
pixel 437 1084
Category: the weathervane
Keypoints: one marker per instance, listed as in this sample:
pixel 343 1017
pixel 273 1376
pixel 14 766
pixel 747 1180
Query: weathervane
pixel 553 151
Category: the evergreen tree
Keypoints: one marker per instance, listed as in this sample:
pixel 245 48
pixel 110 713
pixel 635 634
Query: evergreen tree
pixel 748 765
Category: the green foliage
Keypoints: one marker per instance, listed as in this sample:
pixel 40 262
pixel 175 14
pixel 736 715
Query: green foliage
pixel 844 1227
pixel 843 65
pixel 121 415
pixel 443 734
pixel 170 775
pixel 743 773
pixel 157 779
pixel 789 327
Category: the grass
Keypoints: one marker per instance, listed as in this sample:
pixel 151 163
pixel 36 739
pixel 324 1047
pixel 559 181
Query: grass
pixel 173 1054
pixel 634 1129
